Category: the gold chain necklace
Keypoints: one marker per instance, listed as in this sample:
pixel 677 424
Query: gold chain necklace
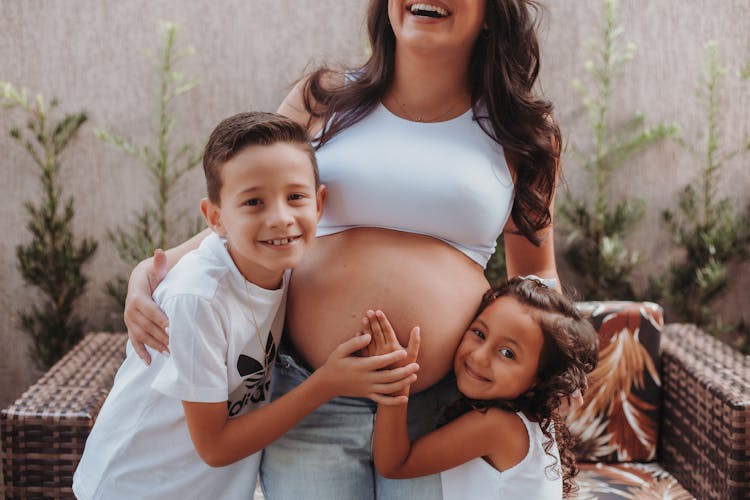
pixel 421 118
pixel 265 353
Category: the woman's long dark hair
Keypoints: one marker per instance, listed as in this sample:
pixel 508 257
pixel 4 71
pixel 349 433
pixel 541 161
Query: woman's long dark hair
pixel 503 68
pixel 569 353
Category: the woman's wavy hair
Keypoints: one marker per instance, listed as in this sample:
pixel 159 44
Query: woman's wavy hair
pixel 503 69
pixel 569 352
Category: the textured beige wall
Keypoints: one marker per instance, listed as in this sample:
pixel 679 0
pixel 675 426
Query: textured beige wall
pixel 661 82
pixel 91 55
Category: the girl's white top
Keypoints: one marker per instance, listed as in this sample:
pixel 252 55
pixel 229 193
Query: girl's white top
pixel 531 478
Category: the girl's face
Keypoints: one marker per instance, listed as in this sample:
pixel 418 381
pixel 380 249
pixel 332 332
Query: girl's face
pixel 498 357
pixel 444 25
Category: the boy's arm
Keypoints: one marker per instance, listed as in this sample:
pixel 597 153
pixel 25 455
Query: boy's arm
pixel 221 441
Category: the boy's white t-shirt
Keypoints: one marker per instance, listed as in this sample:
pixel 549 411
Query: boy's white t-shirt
pixel 140 446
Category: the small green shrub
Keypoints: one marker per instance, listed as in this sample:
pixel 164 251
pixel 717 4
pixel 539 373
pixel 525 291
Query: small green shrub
pixel 709 231
pixel 165 165
pixel 596 230
pixel 53 260
pixel 496 272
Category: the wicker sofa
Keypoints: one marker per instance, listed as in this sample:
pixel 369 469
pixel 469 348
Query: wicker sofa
pixel 667 416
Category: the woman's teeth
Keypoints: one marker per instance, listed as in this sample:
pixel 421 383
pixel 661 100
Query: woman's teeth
pixel 423 9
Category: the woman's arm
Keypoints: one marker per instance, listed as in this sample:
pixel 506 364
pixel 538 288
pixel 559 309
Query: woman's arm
pixel 523 258
pixel 221 441
pixel 146 323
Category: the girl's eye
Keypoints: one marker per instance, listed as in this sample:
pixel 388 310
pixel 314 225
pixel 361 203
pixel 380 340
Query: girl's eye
pixel 479 333
pixel 507 353
pixel 253 202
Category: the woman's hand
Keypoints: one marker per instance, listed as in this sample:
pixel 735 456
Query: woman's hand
pixel 146 323
pixel 344 374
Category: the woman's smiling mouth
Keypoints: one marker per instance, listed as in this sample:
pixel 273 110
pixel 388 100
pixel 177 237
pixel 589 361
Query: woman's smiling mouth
pixel 427 10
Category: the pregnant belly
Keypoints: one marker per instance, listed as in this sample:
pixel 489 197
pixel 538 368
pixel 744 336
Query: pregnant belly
pixel 416 280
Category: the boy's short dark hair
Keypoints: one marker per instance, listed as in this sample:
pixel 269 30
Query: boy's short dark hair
pixel 255 128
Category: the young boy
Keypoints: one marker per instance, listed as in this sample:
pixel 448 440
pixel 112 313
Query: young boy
pixel 192 424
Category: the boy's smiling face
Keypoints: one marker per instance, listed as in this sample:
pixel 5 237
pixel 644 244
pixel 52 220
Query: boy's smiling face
pixel 269 210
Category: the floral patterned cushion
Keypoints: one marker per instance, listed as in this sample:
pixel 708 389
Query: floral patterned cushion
pixel 619 419
pixel 627 481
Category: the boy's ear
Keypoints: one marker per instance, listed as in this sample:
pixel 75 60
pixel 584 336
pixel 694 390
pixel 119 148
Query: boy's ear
pixel 212 214
pixel 320 199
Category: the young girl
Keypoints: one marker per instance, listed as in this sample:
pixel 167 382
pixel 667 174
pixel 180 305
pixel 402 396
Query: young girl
pixel 525 351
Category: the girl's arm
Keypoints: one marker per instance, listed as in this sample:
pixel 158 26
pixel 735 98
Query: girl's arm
pixel 147 323
pixel 495 433
pixel 499 434
pixel 221 441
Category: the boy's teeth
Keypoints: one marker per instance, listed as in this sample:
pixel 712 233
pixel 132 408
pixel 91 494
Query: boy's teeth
pixel 428 10
pixel 280 242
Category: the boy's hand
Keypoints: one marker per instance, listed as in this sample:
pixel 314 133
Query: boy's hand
pixel 344 374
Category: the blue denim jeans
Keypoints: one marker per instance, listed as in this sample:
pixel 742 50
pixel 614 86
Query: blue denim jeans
pixel 328 455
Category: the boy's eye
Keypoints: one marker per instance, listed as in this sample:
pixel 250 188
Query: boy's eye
pixel 296 196
pixel 253 202
pixel 479 333
pixel 507 353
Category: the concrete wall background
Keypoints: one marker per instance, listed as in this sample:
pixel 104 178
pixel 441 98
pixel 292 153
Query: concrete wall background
pixel 92 56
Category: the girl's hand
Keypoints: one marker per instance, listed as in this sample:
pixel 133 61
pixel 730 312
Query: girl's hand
pixel 344 374
pixel 384 339
pixel 146 323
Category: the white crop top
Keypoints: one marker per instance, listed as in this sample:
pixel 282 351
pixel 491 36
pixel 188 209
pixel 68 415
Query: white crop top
pixel 448 180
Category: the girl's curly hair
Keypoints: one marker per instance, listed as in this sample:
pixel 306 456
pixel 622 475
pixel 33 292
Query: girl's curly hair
pixel 569 353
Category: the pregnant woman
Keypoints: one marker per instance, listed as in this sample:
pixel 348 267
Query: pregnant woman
pixel 429 151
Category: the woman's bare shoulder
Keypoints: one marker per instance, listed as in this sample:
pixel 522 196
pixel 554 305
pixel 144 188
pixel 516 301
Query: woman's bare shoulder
pixel 293 105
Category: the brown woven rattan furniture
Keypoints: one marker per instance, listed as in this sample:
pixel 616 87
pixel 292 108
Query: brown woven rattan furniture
pixel 704 438
pixel 705 418
pixel 44 431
